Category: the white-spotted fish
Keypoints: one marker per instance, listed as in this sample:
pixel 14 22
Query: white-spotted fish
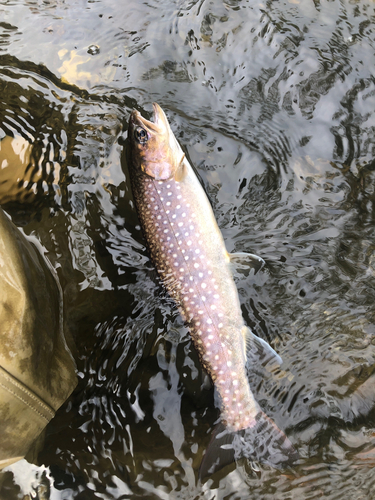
pixel 189 253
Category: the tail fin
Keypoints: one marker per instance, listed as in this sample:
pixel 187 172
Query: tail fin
pixel 264 442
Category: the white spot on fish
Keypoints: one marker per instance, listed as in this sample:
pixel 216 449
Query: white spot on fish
pixel 220 325
pixel 209 321
pixel 229 364
pixel 189 242
pixel 235 382
pixel 186 257
pixel 203 285
pixel 169 193
pixel 196 265
pixel 168 203
pixel 180 224
pixel 200 274
pixel 200 311
pixel 213 307
pixel 174 216
pixel 197 250
pixel 178 207
pixel 182 269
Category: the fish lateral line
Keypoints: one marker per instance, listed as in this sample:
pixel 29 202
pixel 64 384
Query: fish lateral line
pixel 206 295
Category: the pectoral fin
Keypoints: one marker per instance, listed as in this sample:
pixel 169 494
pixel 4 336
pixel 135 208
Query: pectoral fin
pixel 181 171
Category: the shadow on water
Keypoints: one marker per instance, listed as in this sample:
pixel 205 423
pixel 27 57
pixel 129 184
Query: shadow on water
pixel 274 105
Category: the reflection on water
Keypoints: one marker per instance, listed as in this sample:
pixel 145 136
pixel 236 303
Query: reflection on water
pixel 274 105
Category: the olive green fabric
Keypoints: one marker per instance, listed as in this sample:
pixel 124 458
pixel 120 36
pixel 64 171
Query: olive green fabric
pixel 16 164
pixel 37 371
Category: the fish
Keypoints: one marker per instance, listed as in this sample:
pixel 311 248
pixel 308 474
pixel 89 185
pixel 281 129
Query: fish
pixel 189 253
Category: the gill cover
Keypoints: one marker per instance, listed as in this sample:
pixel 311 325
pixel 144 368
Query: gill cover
pixel 153 147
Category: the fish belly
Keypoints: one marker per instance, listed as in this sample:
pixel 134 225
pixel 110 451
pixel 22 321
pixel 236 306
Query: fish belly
pixel 189 253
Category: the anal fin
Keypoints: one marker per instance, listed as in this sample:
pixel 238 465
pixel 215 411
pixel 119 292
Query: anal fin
pixel 258 350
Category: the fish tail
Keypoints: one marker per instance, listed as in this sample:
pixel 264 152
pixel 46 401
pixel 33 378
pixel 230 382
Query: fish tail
pixel 263 442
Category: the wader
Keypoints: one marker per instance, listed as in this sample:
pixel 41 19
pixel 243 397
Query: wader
pixel 37 371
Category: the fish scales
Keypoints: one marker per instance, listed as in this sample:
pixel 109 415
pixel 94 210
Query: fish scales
pixel 189 253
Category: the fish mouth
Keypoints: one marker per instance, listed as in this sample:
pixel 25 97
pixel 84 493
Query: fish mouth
pixel 157 126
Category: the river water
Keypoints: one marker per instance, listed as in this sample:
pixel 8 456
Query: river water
pixel 274 105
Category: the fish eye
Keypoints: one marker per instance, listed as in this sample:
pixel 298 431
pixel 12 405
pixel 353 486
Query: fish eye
pixel 140 135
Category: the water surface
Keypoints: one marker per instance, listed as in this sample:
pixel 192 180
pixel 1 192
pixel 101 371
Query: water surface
pixel 274 104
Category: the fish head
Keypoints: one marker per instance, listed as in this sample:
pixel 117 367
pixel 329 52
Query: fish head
pixel 154 149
